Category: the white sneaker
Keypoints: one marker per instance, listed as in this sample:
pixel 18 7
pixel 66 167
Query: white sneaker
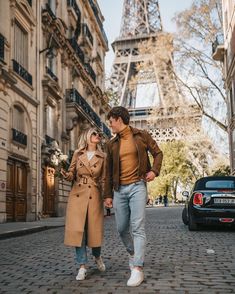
pixel 81 274
pixel 131 262
pixel 100 264
pixel 136 278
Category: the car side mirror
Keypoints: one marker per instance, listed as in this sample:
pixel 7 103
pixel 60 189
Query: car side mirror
pixel 185 194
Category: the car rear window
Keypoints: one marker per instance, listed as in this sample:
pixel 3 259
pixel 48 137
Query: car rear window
pixel 205 184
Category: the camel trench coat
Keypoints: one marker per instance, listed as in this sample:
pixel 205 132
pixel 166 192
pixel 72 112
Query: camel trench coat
pixel 85 203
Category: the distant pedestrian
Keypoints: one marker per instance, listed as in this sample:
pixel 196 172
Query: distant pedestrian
pixel 165 200
pixel 108 211
pixel 160 199
pixel 85 212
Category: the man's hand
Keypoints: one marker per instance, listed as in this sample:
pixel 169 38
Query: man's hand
pixel 150 176
pixel 108 202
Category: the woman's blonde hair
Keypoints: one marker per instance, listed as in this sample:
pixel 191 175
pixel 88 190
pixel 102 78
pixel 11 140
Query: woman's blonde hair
pixel 85 137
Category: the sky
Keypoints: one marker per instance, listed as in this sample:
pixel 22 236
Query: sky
pixel 112 12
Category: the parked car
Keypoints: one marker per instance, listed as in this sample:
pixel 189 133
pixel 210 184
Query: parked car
pixel 212 201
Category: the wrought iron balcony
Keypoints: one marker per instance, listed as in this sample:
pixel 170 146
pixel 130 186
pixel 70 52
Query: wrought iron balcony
pixel 87 33
pixel 51 74
pixel 2 42
pixel 51 13
pixel 90 71
pixel 77 49
pixel 22 72
pixel 73 4
pixel 72 96
pixel 106 130
pixel 96 13
pixel 218 48
pixel 19 137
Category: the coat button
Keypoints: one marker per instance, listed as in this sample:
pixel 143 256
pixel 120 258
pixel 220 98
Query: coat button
pixel 77 195
pixel 79 185
pixel 95 165
pixel 90 197
pixel 89 186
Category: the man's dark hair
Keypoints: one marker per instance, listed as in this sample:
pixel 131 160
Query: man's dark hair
pixel 119 111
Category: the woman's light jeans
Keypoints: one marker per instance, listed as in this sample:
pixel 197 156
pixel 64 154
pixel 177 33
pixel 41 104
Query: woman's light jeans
pixel 81 252
pixel 129 207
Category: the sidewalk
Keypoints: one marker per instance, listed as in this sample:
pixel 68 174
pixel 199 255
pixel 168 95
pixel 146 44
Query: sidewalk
pixel 15 229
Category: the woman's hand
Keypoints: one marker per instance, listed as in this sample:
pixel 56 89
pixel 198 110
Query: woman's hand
pixel 63 172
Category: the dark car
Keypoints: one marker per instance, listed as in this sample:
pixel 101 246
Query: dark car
pixel 212 201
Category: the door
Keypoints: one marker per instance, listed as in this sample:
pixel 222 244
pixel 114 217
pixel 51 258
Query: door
pixel 16 194
pixel 49 191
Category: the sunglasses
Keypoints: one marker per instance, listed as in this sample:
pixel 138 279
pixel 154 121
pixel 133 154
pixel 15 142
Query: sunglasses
pixel 96 134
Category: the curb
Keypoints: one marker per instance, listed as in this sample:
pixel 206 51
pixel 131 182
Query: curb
pixel 22 232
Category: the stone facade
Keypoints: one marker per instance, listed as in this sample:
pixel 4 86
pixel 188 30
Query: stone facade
pixel 224 51
pixel 51 87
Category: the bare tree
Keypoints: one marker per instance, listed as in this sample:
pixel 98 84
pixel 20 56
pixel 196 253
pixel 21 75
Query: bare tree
pixel 199 75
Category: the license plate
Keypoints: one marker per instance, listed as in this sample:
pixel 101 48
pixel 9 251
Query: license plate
pixel 224 201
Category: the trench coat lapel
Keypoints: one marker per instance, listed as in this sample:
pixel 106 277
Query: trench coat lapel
pixel 84 160
pixel 96 158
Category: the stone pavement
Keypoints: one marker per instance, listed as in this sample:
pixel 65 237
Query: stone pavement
pixel 177 261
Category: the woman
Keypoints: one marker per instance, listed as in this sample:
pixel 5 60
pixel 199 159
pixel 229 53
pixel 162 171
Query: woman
pixel 85 213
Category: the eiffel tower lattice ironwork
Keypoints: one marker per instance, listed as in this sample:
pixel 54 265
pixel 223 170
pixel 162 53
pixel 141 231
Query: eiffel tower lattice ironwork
pixel 142 73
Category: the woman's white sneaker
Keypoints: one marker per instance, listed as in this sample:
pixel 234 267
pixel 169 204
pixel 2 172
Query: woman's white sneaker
pixel 136 278
pixel 100 264
pixel 81 274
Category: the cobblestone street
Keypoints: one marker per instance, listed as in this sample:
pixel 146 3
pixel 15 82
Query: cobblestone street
pixel 177 261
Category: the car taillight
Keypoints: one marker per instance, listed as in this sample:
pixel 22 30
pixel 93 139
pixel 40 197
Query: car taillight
pixel 198 199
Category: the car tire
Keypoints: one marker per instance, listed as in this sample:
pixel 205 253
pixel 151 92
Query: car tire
pixel 192 225
pixel 184 216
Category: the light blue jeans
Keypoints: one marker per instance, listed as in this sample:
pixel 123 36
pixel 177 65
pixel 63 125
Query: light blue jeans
pixel 129 206
pixel 81 252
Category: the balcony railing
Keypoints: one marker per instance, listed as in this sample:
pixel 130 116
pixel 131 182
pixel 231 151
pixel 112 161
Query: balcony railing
pixel 2 42
pixel 22 72
pixel 87 33
pixel 51 74
pixel 96 13
pixel 72 95
pixel 19 137
pixel 73 4
pixel 77 49
pixel 106 130
pixel 218 47
pixel 51 13
pixel 90 71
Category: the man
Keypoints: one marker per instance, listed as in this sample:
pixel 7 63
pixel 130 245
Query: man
pixel 128 170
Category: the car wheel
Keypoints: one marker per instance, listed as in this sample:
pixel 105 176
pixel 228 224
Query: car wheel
pixel 192 225
pixel 184 216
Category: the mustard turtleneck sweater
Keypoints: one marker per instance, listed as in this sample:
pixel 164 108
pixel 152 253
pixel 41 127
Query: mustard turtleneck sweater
pixel 128 158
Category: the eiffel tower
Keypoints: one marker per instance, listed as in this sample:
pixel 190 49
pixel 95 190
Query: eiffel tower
pixel 143 74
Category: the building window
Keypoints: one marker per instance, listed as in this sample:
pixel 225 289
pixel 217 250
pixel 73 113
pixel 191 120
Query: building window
pixel 52 4
pixel 18 119
pixel 21 46
pixel 50 121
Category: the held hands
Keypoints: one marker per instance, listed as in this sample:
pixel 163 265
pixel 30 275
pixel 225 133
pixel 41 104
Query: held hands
pixel 108 202
pixel 63 172
pixel 150 176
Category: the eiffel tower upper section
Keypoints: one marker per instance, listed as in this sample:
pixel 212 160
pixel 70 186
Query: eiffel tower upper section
pixel 140 18
pixel 143 72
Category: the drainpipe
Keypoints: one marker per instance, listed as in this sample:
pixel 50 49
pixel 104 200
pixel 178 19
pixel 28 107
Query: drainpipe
pixel 38 97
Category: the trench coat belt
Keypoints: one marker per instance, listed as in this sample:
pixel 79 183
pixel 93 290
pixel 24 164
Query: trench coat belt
pixel 87 180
